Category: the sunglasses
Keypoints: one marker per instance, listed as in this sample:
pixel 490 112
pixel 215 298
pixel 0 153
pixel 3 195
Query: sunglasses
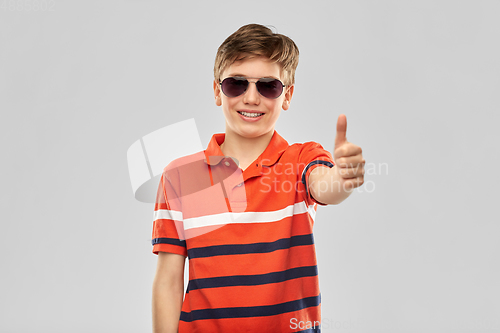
pixel 237 85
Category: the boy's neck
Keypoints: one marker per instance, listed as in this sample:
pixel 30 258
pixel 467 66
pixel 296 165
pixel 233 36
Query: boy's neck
pixel 245 150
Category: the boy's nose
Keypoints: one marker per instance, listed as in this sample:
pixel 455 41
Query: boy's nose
pixel 251 95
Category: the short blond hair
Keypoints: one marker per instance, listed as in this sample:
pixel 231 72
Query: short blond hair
pixel 253 40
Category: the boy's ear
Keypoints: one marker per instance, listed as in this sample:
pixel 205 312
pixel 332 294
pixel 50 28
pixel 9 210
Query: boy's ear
pixel 217 93
pixel 288 97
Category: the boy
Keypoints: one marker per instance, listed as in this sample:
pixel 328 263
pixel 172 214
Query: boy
pixel 243 210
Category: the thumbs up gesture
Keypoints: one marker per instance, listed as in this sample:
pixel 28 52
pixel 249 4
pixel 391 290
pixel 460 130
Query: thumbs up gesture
pixel 349 161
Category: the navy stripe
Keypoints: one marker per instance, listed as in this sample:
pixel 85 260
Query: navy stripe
pixel 328 164
pixel 252 280
pixel 251 311
pixel 229 249
pixel 173 241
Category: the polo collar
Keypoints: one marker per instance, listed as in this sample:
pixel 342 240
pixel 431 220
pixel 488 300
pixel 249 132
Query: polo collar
pixel 270 156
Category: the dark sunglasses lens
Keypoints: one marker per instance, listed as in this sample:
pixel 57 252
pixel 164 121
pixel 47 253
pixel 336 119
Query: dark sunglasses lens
pixel 270 88
pixel 233 87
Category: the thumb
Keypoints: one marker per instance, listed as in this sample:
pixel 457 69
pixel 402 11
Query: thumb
pixel 340 138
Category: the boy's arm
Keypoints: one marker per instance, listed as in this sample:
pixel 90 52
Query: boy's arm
pixel 168 292
pixel 333 185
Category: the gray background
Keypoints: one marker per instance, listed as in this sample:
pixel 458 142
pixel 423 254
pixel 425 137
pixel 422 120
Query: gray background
pixel 415 250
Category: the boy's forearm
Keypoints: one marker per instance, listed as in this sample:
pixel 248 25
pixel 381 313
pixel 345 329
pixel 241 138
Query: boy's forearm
pixel 166 307
pixel 328 186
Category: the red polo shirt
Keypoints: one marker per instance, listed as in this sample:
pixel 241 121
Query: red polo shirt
pixel 248 236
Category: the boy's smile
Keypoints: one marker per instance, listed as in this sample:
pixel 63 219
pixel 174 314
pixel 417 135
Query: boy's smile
pixel 251 115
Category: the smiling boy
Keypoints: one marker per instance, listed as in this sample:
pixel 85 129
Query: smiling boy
pixel 257 271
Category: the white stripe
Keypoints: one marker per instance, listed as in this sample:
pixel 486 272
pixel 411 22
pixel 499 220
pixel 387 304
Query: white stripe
pixel 244 217
pixel 167 215
pixel 249 217
pixel 312 211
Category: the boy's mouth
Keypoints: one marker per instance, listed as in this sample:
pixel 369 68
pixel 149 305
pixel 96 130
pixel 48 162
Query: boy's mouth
pixel 250 114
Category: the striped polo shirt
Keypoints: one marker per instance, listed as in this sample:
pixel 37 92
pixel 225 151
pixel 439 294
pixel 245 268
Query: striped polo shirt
pixel 248 235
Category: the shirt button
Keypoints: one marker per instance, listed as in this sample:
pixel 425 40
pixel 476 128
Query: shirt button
pixel 227 163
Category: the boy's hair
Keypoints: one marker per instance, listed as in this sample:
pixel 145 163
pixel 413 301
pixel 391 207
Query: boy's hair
pixel 253 40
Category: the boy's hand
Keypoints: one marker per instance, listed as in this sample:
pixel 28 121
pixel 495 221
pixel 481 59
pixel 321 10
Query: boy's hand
pixel 348 158
pixel 331 186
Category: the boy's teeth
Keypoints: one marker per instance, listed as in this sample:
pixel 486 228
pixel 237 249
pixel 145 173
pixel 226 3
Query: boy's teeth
pixel 247 114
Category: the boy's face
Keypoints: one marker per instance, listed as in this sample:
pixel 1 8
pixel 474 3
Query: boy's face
pixel 251 100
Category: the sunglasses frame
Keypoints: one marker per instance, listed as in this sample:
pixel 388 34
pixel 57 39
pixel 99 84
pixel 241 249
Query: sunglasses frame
pixel 258 79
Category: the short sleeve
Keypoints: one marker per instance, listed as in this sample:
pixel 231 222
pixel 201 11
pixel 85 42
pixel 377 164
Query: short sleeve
pixel 312 155
pixel 168 231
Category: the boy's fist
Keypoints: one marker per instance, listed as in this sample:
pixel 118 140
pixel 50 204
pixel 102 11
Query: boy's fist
pixel 349 161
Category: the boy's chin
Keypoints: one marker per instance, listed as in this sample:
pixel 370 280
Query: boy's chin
pixel 249 134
